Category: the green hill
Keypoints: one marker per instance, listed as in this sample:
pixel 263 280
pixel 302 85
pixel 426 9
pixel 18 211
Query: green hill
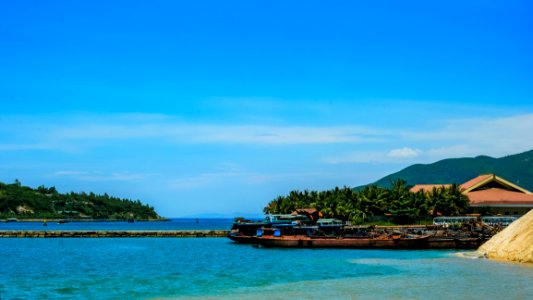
pixel 18 201
pixel 516 168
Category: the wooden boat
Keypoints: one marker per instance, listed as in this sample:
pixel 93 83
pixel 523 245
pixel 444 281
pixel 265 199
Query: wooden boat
pixel 300 241
pixel 245 231
pixel 455 242
pixel 241 238
pixel 469 243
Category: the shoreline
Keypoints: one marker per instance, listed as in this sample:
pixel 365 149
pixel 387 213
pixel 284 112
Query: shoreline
pixel 111 233
pixel 37 220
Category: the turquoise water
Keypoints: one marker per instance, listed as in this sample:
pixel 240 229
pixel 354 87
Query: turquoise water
pixel 216 268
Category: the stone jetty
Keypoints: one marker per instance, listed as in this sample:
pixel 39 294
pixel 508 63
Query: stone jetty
pixel 111 233
pixel 514 243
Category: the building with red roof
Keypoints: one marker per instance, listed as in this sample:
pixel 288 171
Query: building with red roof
pixel 490 194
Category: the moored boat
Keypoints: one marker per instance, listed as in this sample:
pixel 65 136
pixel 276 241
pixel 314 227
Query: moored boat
pixel 300 231
pixel 241 238
pixel 300 241
pixel 245 231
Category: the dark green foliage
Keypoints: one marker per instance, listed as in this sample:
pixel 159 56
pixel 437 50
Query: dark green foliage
pixel 397 202
pixel 516 168
pixel 24 202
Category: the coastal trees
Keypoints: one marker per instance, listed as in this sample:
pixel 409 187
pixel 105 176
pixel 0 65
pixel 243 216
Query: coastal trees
pixel 360 206
pixel 21 201
pixel 447 201
pixel 401 207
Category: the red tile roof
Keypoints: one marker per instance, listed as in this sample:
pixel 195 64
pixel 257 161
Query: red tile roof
pixel 508 194
pixel 428 187
pixel 496 196
pixel 475 181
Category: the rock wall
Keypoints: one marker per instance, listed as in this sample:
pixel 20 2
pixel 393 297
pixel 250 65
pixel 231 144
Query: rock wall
pixel 113 233
pixel 514 243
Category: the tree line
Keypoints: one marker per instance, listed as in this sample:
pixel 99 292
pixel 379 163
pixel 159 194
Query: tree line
pixel 397 202
pixel 46 202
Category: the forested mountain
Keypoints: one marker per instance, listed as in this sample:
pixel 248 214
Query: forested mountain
pixel 516 168
pixel 18 201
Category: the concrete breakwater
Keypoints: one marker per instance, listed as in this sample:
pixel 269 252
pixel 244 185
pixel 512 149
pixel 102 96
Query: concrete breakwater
pixel 111 233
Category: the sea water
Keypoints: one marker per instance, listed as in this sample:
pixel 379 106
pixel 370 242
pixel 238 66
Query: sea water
pixel 217 268
pixel 171 224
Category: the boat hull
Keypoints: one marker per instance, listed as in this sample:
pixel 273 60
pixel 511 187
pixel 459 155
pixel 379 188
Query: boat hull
pixel 339 242
pixel 242 239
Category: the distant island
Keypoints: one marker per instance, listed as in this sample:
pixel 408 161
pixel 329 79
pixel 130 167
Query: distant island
pixel 23 202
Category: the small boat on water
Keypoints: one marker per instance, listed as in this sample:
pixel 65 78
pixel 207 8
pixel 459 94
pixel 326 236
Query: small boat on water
pixel 244 231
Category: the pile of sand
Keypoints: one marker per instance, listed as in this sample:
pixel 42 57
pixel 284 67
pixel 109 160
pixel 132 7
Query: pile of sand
pixel 514 243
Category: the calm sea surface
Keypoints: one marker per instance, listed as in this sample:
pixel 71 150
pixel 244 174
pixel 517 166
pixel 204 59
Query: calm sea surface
pixel 172 224
pixel 216 268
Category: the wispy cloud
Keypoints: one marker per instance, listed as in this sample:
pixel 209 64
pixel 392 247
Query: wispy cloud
pixel 71 132
pixel 23 147
pixel 243 177
pixel 451 138
pixel 404 152
pixel 100 176
pixel 455 138
pixel 490 136
pixel 209 133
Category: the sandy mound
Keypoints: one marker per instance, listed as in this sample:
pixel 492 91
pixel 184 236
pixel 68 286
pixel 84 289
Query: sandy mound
pixel 514 243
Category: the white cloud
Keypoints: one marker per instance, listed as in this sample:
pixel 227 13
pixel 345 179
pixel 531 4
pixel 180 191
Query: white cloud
pixel 404 152
pixel 249 178
pixel 99 176
pixel 23 147
pixel 73 133
pixel 455 138
pixel 476 136
pixel 357 157
pixel 71 173
pixel 375 157
pixel 452 138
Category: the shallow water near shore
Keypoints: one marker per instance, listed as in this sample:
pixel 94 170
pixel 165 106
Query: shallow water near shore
pixel 216 268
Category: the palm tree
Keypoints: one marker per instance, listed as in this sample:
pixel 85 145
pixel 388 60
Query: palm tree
pixel 458 202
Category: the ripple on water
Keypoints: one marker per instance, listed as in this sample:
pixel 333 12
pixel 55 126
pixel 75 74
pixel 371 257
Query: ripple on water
pixel 211 268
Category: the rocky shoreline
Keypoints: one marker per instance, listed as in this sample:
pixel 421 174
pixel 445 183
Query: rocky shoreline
pixel 514 243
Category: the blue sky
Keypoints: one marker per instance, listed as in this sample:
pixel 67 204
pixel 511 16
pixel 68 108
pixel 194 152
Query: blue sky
pixel 199 107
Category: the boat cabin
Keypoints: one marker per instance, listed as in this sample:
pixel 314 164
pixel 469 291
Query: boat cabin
pixel 453 220
pixel 498 220
pixel 287 218
pixel 329 223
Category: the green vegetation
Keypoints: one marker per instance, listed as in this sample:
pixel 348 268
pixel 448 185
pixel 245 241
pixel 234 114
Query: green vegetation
pixel 390 196
pixel 516 168
pixel 17 201
pixel 396 202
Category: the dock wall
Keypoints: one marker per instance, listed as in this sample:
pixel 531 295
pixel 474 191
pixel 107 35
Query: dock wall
pixel 111 233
